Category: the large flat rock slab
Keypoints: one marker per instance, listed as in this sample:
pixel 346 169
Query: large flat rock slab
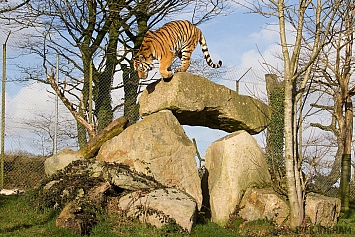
pixel 197 101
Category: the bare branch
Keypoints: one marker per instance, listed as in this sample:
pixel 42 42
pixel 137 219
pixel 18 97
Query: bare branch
pixel 69 105
pixel 9 9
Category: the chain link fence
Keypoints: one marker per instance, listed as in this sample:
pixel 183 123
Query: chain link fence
pixel 37 123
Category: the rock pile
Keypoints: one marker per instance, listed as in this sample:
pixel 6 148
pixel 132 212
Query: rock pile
pixel 159 166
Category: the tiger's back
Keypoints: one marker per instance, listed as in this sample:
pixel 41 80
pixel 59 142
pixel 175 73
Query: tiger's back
pixel 176 38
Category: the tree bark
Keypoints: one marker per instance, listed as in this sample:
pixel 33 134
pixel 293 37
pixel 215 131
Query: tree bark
pixel 112 130
pixel 294 188
pixel 131 86
pixel 346 157
pixel 292 166
pixel 348 106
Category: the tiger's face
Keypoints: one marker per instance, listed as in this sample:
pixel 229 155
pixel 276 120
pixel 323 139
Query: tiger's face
pixel 143 65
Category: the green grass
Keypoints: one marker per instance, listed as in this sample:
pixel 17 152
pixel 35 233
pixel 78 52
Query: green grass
pixel 19 218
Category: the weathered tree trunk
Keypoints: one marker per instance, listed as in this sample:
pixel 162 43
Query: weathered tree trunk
pixel 82 139
pixel 346 157
pixel 103 107
pixel 294 188
pixel 131 85
pixel 113 129
pixel 82 131
pixel 325 183
pixel 348 106
pixel 130 76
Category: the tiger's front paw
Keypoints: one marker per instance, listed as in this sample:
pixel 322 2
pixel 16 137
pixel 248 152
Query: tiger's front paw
pixel 167 79
pixel 166 75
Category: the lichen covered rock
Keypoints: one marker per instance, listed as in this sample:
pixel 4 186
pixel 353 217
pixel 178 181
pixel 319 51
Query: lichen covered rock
pixel 197 101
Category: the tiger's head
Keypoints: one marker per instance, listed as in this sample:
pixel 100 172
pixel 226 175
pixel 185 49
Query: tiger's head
pixel 143 65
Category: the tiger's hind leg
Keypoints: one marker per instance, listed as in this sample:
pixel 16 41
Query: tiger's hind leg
pixel 164 67
pixel 185 60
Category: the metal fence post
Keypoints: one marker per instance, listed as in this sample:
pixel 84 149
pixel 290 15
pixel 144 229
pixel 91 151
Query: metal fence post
pixel 237 81
pixel 55 142
pixel 3 83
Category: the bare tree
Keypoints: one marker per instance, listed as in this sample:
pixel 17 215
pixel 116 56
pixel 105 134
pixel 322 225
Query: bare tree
pixel 43 127
pixel 309 23
pixel 333 76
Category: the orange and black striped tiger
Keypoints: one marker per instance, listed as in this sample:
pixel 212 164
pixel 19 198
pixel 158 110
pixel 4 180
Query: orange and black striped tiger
pixel 176 38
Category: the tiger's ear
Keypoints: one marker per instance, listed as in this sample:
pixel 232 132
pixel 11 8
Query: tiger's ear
pixel 141 58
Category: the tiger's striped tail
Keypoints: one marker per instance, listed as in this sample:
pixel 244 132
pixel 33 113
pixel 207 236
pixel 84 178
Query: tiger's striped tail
pixel 206 54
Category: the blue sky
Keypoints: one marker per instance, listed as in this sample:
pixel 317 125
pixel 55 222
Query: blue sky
pixel 232 36
pixel 236 35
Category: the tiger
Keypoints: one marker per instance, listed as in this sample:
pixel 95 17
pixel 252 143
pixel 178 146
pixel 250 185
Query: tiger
pixel 176 38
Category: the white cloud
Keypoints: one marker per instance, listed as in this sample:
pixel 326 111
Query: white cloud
pixel 34 98
pixel 30 116
pixel 268 34
pixel 255 59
